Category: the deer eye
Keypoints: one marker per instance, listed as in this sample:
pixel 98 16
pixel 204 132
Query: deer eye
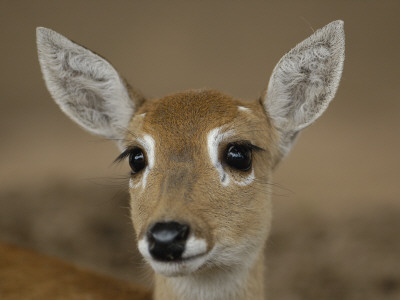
pixel 238 157
pixel 137 160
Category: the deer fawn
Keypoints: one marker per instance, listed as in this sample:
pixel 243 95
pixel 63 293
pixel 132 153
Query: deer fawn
pixel 201 161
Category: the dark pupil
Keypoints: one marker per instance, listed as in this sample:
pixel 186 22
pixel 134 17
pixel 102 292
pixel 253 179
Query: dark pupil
pixel 238 157
pixel 137 160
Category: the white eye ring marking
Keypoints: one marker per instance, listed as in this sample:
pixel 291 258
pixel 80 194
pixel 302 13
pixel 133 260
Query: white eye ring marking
pixel 242 108
pixel 214 138
pixel 248 180
pixel 148 144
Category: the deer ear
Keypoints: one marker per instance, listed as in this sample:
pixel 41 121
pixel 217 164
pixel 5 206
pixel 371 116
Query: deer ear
pixel 86 87
pixel 304 81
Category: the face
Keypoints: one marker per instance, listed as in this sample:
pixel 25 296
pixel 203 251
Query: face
pixel 199 187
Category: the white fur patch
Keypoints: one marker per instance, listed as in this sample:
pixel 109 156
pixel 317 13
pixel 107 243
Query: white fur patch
pixel 189 265
pixel 227 281
pixel 143 247
pixel 131 183
pixel 148 144
pixel 242 108
pixel 184 267
pixel 214 138
pixel 194 247
pixel 231 263
pixel 218 285
pixel 247 180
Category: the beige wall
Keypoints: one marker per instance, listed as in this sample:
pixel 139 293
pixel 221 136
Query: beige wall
pixel 167 46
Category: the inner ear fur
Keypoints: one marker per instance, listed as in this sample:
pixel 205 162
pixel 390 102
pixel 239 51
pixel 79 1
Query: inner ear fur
pixel 86 86
pixel 304 81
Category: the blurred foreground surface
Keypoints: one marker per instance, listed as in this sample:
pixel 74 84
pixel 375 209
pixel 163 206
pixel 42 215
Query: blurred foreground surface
pixel 311 255
pixel 28 275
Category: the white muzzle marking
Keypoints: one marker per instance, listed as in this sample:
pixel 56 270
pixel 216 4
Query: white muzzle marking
pixel 194 256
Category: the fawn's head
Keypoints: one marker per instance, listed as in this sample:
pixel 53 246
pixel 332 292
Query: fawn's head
pixel 201 161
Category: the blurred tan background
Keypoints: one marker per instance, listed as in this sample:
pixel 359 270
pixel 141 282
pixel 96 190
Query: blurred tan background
pixel 336 233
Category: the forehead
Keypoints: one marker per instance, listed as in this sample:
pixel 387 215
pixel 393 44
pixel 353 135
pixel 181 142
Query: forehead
pixel 191 112
pixel 184 119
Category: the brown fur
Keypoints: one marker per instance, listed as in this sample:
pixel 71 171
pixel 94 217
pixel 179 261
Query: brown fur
pixel 185 187
pixel 31 276
pixel 179 124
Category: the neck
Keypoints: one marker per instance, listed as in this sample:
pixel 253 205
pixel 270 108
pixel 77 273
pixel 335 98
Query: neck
pixel 239 283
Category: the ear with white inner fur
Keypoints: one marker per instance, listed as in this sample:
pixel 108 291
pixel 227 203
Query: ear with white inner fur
pixel 86 87
pixel 304 81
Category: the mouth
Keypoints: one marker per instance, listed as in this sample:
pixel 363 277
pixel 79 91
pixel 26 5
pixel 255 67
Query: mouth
pixel 180 260
pixel 193 258
pixel 174 258
pixel 178 267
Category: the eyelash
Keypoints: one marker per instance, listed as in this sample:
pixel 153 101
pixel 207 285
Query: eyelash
pixel 123 155
pixel 248 145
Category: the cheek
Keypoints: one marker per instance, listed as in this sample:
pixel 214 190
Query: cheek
pixel 237 212
pixel 139 211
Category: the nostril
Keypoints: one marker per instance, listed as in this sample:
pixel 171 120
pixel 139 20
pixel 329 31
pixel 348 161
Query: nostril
pixel 168 232
pixel 167 240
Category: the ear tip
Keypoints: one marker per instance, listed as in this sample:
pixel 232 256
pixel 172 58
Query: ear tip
pixel 44 37
pixel 337 23
pixel 335 28
pixel 42 33
pixel 47 39
pixel 334 34
pixel 41 29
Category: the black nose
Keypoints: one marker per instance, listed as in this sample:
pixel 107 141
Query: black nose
pixel 167 240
